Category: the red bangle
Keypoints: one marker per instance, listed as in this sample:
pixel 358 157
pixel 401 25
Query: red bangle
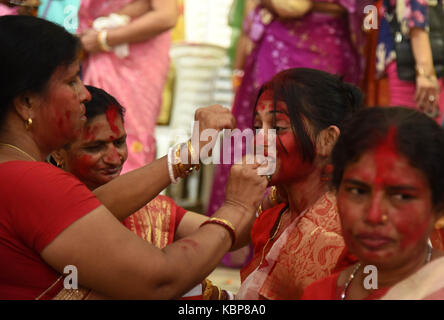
pixel 224 223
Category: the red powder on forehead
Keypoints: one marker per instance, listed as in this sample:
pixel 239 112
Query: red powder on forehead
pixel 386 155
pixel 89 134
pixel 112 116
pixel 267 95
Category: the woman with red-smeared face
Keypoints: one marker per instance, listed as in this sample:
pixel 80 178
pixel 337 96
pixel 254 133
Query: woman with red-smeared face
pixel 305 108
pixel 389 177
pixel 290 165
pixel 386 207
pixel 98 155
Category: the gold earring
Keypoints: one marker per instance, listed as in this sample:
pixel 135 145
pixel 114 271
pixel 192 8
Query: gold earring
pixel 60 164
pixel 439 224
pixel 384 218
pixel 28 123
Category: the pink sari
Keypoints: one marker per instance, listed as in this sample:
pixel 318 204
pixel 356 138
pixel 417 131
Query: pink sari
pixel 136 81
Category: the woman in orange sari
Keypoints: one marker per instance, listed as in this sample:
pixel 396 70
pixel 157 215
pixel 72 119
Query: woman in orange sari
pixel 300 241
pixel 390 187
pixel 97 157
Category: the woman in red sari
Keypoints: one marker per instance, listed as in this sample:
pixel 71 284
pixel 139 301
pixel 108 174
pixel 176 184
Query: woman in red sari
pixel 390 187
pixel 298 242
pixel 97 156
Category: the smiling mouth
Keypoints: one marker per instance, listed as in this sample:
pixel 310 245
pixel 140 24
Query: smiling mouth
pixel 111 171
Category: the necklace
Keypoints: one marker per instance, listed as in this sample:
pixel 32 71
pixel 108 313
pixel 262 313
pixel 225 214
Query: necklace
pixel 353 274
pixel 274 234
pixel 18 149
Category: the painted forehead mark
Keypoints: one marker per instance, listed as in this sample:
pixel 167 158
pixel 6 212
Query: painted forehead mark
pixel 112 116
pixel 89 133
pixel 386 154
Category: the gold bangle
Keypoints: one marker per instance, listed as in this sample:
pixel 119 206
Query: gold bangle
pixel 193 156
pixel 101 39
pixel 224 223
pixel 208 290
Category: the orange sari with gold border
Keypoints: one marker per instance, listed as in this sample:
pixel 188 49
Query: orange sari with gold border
pixel 307 250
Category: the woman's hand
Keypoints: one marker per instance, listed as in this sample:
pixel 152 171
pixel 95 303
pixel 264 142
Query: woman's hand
pixel 90 42
pixel 288 9
pixel 427 86
pixel 208 122
pixel 427 95
pixel 244 192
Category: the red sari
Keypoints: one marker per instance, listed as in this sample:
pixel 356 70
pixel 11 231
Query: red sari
pixel 156 223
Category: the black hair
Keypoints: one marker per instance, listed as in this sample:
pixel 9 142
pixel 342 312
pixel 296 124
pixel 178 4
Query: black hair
pixel 31 50
pixel 320 97
pixel 100 102
pixel 418 138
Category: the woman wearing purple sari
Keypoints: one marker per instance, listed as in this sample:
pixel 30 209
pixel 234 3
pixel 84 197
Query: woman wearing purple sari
pixel 318 34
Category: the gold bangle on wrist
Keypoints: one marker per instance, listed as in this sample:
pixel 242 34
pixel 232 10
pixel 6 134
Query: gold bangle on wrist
pixel 101 39
pixel 224 223
pixel 196 166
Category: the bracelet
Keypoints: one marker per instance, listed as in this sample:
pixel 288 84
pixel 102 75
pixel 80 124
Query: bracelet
pixel 420 71
pixel 101 39
pixel 224 223
pixel 175 166
pixel 170 166
pixel 193 156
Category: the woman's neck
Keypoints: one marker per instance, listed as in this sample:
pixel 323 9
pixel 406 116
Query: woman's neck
pixel 24 142
pixel 388 277
pixel 304 193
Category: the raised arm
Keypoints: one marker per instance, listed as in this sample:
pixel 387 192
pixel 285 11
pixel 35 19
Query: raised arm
pixel 128 193
pixel 117 264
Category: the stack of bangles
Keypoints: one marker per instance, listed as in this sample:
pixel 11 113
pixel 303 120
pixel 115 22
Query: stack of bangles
pixel 176 167
pixel 226 224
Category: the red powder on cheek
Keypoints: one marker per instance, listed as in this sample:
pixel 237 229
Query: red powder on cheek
pixel 291 165
pixel 112 115
pixel 83 165
pixel 411 229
